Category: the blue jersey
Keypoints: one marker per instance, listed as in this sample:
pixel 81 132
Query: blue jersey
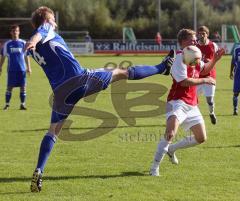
pixel 53 55
pixel 14 50
pixel 236 63
pixel 236 57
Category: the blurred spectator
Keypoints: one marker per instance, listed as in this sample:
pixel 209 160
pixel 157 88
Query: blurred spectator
pixel 158 38
pixel 88 38
pixel 217 36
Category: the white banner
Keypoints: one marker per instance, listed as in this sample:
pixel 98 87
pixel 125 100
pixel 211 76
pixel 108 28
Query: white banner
pixel 81 48
pixel 227 46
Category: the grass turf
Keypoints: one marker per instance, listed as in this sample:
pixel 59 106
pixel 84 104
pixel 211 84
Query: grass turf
pixel 115 165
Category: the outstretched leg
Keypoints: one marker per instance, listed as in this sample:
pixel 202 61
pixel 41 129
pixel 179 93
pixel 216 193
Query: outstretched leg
pixel 143 71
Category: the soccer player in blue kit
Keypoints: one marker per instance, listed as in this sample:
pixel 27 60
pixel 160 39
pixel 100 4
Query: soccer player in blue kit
pixel 69 80
pixel 18 65
pixel 235 75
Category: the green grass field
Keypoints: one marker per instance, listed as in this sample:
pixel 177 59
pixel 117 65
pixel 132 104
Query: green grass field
pixel 115 166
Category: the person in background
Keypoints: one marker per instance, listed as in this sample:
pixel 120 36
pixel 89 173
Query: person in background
pixel 87 38
pixel 208 49
pixel 235 75
pixel 18 65
pixel 158 38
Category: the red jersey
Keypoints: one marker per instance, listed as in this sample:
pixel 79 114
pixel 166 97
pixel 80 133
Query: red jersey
pixel 208 51
pixel 180 72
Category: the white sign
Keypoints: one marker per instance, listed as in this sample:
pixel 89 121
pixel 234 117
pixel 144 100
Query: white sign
pixel 81 48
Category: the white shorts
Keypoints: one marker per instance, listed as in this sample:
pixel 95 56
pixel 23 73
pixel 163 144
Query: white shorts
pixel 187 115
pixel 207 89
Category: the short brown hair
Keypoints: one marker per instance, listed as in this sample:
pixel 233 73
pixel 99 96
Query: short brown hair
pixel 185 34
pixel 203 29
pixel 13 27
pixel 40 15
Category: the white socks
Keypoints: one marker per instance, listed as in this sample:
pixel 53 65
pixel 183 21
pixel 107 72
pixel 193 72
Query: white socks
pixel 210 102
pixel 162 149
pixel 186 142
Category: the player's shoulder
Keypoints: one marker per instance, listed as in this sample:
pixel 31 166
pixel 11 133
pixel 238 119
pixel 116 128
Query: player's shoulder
pixel 7 42
pixel 237 46
pixel 21 41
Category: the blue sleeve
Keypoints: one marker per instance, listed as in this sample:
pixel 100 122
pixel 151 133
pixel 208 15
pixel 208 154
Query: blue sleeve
pixel 47 32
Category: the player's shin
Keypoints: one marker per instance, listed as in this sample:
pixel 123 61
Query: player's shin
pixel 140 72
pixel 162 149
pixel 235 102
pixel 184 143
pixel 23 97
pixel 8 96
pixel 45 150
pixel 210 102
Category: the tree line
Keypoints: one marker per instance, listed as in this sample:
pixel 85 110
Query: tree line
pixel 106 18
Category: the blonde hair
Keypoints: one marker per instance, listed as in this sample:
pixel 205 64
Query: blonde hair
pixel 40 15
pixel 185 34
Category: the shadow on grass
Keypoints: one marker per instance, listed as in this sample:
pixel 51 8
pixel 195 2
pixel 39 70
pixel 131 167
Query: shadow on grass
pixel 222 147
pixel 85 128
pixel 56 178
pixel 16 193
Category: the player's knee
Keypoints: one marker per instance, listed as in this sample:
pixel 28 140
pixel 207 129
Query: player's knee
pixel 119 74
pixel 202 139
pixel 169 135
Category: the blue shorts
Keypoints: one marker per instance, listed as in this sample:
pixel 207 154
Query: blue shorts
pixel 70 92
pixel 16 78
pixel 236 82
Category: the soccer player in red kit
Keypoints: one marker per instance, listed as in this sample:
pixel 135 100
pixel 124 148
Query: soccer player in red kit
pixel 182 102
pixel 208 48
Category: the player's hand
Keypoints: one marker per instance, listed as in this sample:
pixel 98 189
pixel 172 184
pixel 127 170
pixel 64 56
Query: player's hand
pixel 231 76
pixel 30 46
pixel 219 54
pixel 209 80
pixel 0 71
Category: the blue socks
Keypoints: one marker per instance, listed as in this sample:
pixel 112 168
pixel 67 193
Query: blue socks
pixel 235 102
pixel 8 96
pixel 22 97
pixel 139 72
pixel 45 150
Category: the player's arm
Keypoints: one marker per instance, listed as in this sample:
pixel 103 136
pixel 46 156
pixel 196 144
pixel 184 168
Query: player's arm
pixel 1 63
pixel 44 33
pixel 179 73
pixel 209 66
pixel 31 44
pixel 232 68
pixel 197 81
pixel 27 61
